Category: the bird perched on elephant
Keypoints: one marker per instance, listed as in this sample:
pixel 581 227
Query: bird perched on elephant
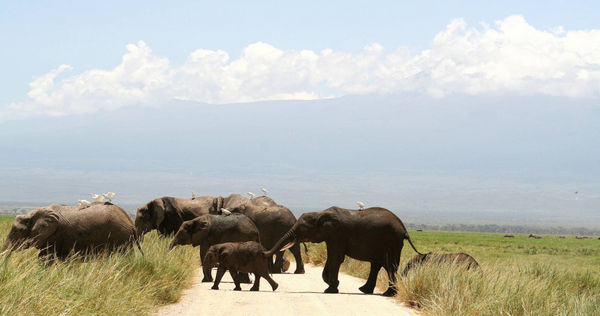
pixel 59 230
pixel 237 257
pixel 458 258
pixel 374 234
pixel 166 214
pixel 207 230
pixel 273 221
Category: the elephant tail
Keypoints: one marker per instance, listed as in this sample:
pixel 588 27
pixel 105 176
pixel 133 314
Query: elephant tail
pixel 411 244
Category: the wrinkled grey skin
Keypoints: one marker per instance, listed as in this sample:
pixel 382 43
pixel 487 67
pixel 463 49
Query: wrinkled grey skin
pixel 59 230
pixel 374 234
pixel 273 221
pixel 457 258
pixel 240 257
pixel 166 214
pixel 209 229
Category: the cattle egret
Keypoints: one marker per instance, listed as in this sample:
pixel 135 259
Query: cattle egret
pixel 83 202
pixel 193 195
pixel 109 196
pixel 97 198
pixel 252 195
pixel 225 212
pixel 264 191
pixel 361 205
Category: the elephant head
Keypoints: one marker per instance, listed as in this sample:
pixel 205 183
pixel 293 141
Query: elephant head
pixel 416 260
pixel 150 216
pixel 32 229
pixel 214 255
pixel 191 232
pixel 310 227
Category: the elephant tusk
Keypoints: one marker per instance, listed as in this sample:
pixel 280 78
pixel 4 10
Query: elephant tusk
pixel 288 246
pixel 173 248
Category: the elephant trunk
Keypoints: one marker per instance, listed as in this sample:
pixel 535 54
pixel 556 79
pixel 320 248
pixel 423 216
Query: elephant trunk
pixel 6 245
pixel 288 240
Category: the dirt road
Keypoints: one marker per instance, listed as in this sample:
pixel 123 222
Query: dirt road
pixel 296 295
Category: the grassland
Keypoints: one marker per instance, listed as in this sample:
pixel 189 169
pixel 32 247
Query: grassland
pixel 518 276
pixel 121 284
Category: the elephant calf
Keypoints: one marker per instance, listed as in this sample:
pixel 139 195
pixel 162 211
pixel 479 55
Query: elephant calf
pixel 458 258
pixel 59 230
pixel 207 230
pixel 237 257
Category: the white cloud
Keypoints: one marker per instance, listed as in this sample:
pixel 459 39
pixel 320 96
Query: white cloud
pixel 509 57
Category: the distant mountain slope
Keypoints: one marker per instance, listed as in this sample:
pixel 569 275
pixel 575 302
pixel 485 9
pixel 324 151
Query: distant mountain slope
pixel 518 155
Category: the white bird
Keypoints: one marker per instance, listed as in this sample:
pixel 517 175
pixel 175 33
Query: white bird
pixel 361 205
pixel 97 198
pixel 225 212
pixel 264 191
pixel 252 195
pixel 109 196
pixel 193 195
pixel 83 202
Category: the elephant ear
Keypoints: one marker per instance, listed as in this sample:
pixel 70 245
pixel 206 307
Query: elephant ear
pixel 158 211
pixel 44 225
pixel 224 253
pixel 328 220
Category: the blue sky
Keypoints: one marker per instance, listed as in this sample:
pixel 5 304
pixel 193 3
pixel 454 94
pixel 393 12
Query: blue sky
pixel 38 36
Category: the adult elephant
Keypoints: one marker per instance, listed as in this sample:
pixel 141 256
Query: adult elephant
pixel 375 235
pixel 209 229
pixel 273 221
pixel 61 230
pixel 167 213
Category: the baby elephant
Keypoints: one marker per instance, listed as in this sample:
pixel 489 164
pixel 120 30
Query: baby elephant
pixel 458 258
pixel 239 257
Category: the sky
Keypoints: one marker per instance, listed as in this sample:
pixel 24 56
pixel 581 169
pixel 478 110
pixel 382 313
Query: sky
pixel 69 38
pixel 484 102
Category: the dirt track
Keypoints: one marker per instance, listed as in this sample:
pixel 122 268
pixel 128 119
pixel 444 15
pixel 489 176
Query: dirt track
pixel 296 295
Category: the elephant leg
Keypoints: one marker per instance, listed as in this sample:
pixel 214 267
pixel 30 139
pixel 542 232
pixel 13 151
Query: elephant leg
pixel 272 282
pixel 220 272
pixel 325 273
pixel 244 277
pixel 391 267
pixel 276 268
pixel 206 270
pixel 234 275
pixel 334 260
pixel 372 280
pixel 256 285
pixel 298 257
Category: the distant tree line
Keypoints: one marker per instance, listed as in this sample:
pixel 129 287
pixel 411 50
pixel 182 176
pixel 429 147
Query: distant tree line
pixel 513 229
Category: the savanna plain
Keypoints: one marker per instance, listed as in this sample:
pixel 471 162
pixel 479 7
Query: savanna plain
pixel 518 276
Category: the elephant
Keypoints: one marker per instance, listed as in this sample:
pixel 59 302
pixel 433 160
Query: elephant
pixel 458 258
pixel 374 234
pixel 273 221
pixel 166 214
pixel 207 230
pixel 239 257
pixel 59 230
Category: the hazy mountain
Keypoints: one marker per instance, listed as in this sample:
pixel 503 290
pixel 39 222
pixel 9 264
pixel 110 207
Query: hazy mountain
pixel 460 158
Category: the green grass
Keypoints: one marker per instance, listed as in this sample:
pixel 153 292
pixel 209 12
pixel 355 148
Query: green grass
pixel 518 276
pixel 119 284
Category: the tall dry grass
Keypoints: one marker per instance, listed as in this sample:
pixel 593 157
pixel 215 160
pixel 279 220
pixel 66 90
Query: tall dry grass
pixel 118 284
pixel 518 276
